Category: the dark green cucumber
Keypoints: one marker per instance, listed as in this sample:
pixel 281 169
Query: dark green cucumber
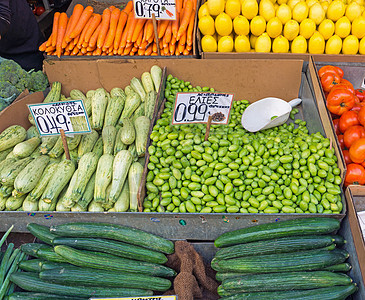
pixel 48 265
pixel 284 262
pixel 344 267
pixel 307 226
pixel 40 296
pixel 41 232
pixel 339 240
pixel 31 265
pixel 282 245
pixel 32 248
pixel 88 277
pixel 113 247
pixel 285 281
pixel 33 284
pixel 329 293
pixel 50 255
pixel 110 262
pixel 115 232
pixel 222 292
pixel 220 276
pixel 41 251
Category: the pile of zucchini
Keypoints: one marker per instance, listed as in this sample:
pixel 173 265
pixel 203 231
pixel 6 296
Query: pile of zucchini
pixel 106 166
pixel 80 260
pixel 295 259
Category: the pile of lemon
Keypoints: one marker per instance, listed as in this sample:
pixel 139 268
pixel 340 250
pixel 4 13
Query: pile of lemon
pixel 281 26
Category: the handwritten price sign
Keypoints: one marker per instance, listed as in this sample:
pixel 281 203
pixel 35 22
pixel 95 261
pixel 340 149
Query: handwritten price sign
pixel 163 9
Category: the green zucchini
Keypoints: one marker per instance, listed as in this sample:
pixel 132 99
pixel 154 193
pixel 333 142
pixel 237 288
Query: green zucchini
pixel 5 153
pixel 99 102
pixel 29 204
pixel 136 85
pixel 113 247
pixel 128 134
pixel 95 206
pixel 119 145
pixel 156 73
pixel 307 226
pixel 142 127
pixel 103 177
pixel 54 94
pixel 38 190
pixel 132 101
pixel 31 265
pixel 30 283
pixel 41 232
pixel 108 134
pixel 114 109
pixel 40 296
pixel 48 143
pixel 123 201
pixel 73 142
pixel 87 143
pixel 339 240
pixel 88 195
pixel 57 150
pixel 13 203
pixel 32 132
pixel 24 149
pixel 5 191
pixel 117 92
pixel 115 232
pixel 11 171
pixel 344 267
pixel 11 136
pixel 149 104
pixel 137 113
pixel 147 82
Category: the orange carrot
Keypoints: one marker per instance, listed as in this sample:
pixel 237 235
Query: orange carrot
pixel 166 51
pixel 83 33
pixel 66 53
pixel 129 45
pixel 173 40
pixel 179 5
pixel 181 48
pixel 115 51
pixel 189 34
pixel 93 25
pixel 143 45
pixel 50 48
pixel 62 24
pixel 94 37
pixel 83 50
pixel 90 48
pixel 138 29
pixel 104 27
pixel 154 47
pixel 162 28
pixel 75 51
pixel 188 47
pixel 79 54
pixel 76 14
pixel 70 47
pixel 134 49
pixel 97 51
pixel 119 31
pixel 139 39
pixel 127 51
pixel 168 33
pixel 186 52
pixel 175 25
pixel 123 39
pixel 43 46
pixel 141 52
pixel 177 52
pixel 75 40
pixel 131 27
pixel 64 43
pixel 188 9
pixel 114 17
pixel 103 54
pixel 84 18
pixel 182 40
pixel 84 44
pixel 104 49
pixel 112 7
pixel 151 39
pixel 194 4
pixel 55 28
pixel 148 50
pixel 172 49
pixel 149 29
pixel 49 41
pixel 129 7
pixel 89 54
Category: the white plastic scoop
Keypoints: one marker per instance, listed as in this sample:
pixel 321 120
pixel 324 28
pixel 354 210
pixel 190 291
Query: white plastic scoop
pixel 267 113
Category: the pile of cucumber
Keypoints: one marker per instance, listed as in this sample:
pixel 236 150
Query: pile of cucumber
pixel 80 260
pixel 295 259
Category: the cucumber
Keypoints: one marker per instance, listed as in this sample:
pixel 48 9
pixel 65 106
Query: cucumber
pixel 307 226
pixel 31 265
pixel 48 265
pixel 339 240
pixel 41 232
pixel 32 248
pixel 344 267
pixel 41 251
pixel 220 276
pixel 39 296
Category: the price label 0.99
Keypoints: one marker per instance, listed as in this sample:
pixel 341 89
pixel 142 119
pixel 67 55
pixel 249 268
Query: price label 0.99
pixel 162 9
pixel 197 107
pixel 70 116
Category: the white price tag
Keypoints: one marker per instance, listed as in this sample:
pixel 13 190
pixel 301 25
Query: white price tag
pixel 163 9
pixel 70 116
pixel 197 107
pixel 140 298
pixel 363 83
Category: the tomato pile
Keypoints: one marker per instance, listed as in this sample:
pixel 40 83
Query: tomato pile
pixel 347 106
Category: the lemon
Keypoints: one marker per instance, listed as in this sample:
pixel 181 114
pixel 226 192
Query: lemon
pixel 316 44
pixel 307 27
pixel 220 36
pixel 250 8
pixel 241 26
pixel 325 5
pixel 283 13
pixel 299 45
pixel 258 25
pixel 242 44
pixel 233 8
pixel 266 9
pixel 362 46
pixel 215 7
pixel 280 45
pixel 225 44
pixel 353 11
pixel 209 44
pixel 253 39
pixel 281 1
pixel 223 24
pixel 358 27
pixel 333 45
pixel 317 13
pixel 203 10
pixel 310 3
pixel 336 10
pixel 206 25
pixel 263 43
pixel 300 11
pixel 292 3
pixel 291 30
pixel 326 28
pixel 274 27
pixel 350 45
pixel 276 6
pixel 343 27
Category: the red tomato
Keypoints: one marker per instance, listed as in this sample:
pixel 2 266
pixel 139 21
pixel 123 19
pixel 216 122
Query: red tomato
pixel 329 80
pixel 327 69
pixel 340 100
pixel 346 82
pixel 361 115
pixel 357 151
pixel 358 106
pixel 348 118
pixel 360 93
pixel 355 174
pixel 39 10
pixel 346 86
pixel 340 71
pixel 336 126
pixel 346 156
pixel 352 134
pixel 341 141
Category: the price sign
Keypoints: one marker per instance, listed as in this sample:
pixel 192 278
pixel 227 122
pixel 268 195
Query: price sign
pixel 70 116
pixel 197 107
pixel 163 9
pixel 140 298
pixel 363 83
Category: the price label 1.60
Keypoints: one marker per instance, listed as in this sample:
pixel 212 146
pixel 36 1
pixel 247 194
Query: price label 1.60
pixel 162 9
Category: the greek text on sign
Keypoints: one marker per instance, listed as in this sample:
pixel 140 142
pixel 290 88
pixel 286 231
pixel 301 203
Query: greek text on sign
pixel 140 298
pixel 163 9
pixel 197 107
pixel 70 116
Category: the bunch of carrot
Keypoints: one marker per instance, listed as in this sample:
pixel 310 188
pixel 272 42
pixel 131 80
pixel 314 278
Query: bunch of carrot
pixel 118 32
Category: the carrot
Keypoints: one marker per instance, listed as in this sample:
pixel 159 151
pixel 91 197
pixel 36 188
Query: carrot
pixel 177 52
pixel 134 49
pixel 151 39
pixel 70 47
pixel 154 47
pixel 104 27
pixel 79 54
pixel 76 14
pixel 50 48
pixel 178 6
pixel 131 27
pixel 119 31
pixel 66 53
pixel 188 47
pixel 97 51
pixel 153 54
pixel 181 48
pixel 182 40
pixel 189 34
pixel 175 25
pixel 162 28
pixel 43 46
pixel 112 7
pixel 173 40
pixel 90 48
pixel 138 29
pixel 75 51
pixel 49 41
pixel 149 29
pixel 83 33
pixel 56 17
pixel 129 45
pixel 115 51
pixel 93 25
pixel 188 9
pixel 83 50
pixel 166 51
pixel 114 17
pixel 172 49
pixel 123 40
pixel 84 18
pixel 84 44
pixel 75 41
pixel 129 7
pixel 64 43
pixel 148 51
pixel 186 52
pixel 127 51
pixel 139 39
pixel 94 37
pixel 143 45
pixel 168 33
pixel 141 52
pixel 89 54
pixel 62 24
pixel 103 54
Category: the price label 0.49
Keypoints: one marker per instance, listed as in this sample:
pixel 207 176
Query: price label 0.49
pixel 70 116
pixel 162 9
pixel 197 107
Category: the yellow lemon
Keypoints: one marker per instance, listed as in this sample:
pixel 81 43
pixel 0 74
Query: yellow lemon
pixel 280 45
pixel 300 11
pixel 350 45
pixel 233 8
pixel 291 30
pixel 225 44
pixel 307 27
pixel 299 45
pixel 362 46
pixel 263 43
pixel 253 39
pixel 292 3
pixel 209 44
pixel 241 26
pixel 358 27
pixel 250 8
pixel 310 3
pixel 317 13
pixel 203 10
pixel 316 44
pixel 266 9
pixel 336 10
pixel 206 25
pixel 276 6
pixel 343 27
pixel 281 1
pixel 215 7
pixel 223 24
pixel 326 28
pixel 353 11
pixel 274 27
pixel 258 25
pixel 334 45
pixel 325 5
pixel 242 44
pixel 283 13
